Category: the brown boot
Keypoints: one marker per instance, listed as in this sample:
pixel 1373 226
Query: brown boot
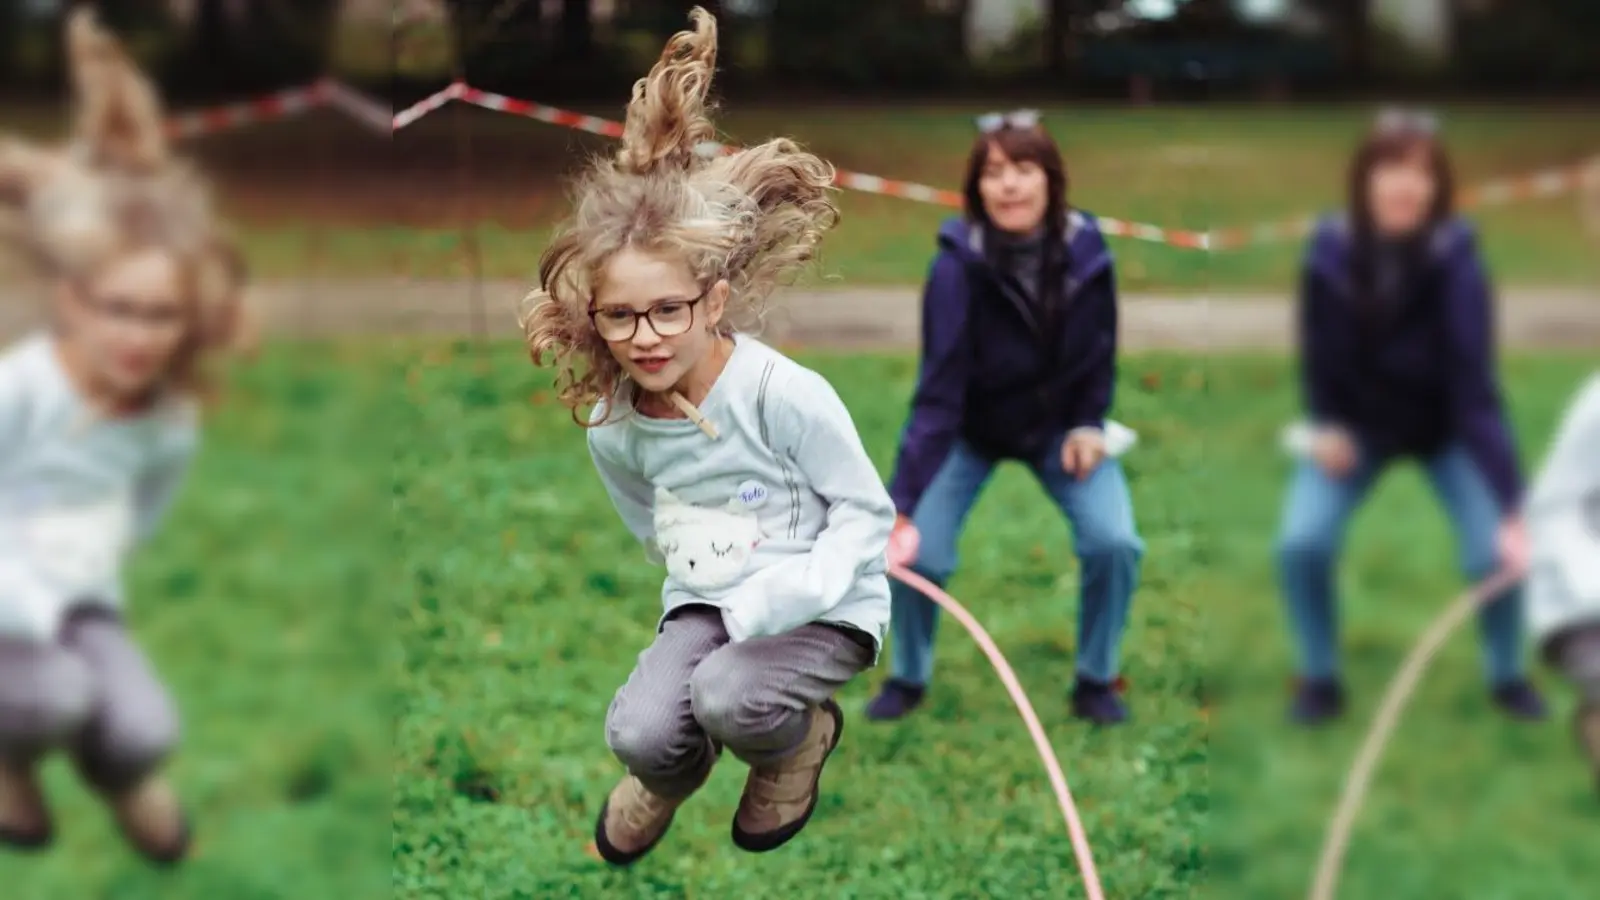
pixel 24 817
pixel 152 821
pixel 633 820
pixel 779 799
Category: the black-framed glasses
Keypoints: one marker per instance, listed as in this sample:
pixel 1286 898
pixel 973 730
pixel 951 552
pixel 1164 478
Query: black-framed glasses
pixel 1018 119
pixel 668 318
pixel 1400 120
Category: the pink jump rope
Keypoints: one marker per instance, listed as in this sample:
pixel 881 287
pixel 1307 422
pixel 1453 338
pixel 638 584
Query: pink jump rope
pixel 1058 781
pixel 1383 724
pixel 1356 783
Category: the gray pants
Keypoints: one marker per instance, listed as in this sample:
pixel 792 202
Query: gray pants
pixel 92 694
pixel 692 686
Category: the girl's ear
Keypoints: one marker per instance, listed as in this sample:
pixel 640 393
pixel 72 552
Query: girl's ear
pixel 717 303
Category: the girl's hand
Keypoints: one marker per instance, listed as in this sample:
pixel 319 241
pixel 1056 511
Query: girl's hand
pixel 1082 452
pixel 904 542
pixel 1516 553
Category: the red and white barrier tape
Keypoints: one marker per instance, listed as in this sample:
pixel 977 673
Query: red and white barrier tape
pixel 855 181
pixel 273 106
pixel 281 105
pixel 1548 183
pixel 369 112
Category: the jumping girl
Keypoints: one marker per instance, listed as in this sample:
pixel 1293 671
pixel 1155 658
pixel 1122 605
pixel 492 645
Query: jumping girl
pixel 1398 361
pixel 97 427
pixel 738 469
pixel 1019 357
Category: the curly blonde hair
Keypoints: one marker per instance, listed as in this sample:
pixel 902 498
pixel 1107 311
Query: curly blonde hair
pixel 753 217
pixel 113 190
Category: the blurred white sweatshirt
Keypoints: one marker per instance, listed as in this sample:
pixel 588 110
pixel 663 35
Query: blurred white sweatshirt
pixel 77 490
pixel 1563 513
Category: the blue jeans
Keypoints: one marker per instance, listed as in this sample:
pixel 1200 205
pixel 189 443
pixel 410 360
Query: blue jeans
pixel 1318 508
pixel 1108 547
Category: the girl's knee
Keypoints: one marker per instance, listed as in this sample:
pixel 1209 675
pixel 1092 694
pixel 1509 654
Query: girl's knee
pixel 728 706
pixel 46 704
pixel 126 747
pixel 651 745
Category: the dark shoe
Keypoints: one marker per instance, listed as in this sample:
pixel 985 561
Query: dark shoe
pixel 1316 701
pixel 1586 724
pixel 1097 701
pixel 895 700
pixel 779 799
pixel 1519 699
pixel 24 818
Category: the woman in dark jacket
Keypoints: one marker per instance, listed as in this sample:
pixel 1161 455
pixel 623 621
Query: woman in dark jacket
pixel 1397 361
pixel 1019 351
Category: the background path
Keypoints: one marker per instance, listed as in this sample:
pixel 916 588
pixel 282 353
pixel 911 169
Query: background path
pixel 851 319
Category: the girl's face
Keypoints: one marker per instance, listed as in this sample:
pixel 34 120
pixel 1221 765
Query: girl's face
pixel 1400 193
pixel 658 321
pixel 1015 194
pixel 127 323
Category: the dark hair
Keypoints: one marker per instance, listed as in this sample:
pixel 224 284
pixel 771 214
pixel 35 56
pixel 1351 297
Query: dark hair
pixel 1033 145
pixel 1388 144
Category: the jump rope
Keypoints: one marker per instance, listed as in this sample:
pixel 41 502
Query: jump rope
pixel 1361 771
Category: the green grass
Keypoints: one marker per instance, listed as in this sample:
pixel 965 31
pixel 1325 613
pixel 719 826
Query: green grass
pixel 527 603
pixel 257 603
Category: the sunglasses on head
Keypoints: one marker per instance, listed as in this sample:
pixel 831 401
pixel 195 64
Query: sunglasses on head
pixel 1018 119
pixel 1397 120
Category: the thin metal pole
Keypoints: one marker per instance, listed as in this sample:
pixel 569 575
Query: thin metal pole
pixel 473 252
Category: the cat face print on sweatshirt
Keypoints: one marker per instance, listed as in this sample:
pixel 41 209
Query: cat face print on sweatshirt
pixel 705 548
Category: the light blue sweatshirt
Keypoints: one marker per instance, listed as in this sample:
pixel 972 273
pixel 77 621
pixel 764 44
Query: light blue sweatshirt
pixel 780 521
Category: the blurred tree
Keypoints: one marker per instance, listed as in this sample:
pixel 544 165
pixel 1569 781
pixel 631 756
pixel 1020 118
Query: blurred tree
pixel 232 49
pixel 851 44
pixel 1352 23
pixel 11 37
pixel 1520 46
pixel 575 41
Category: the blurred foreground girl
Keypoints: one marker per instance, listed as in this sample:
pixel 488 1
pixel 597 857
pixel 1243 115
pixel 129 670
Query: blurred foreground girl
pixel 1564 581
pixel 98 423
pixel 1019 361
pixel 1397 359
pixel 738 469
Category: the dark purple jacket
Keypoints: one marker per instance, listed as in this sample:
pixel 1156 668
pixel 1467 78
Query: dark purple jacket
pixel 995 372
pixel 1423 379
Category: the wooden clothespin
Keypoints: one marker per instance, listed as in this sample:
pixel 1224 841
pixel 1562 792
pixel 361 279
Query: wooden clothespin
pixel 689 409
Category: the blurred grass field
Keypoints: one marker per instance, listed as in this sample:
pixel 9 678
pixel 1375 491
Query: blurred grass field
pixel 527 602
pixel 258 603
